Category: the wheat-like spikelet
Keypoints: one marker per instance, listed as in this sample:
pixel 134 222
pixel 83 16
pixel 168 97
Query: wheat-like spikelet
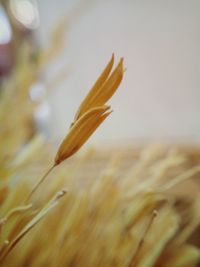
pixel 90 115
pixel 123 207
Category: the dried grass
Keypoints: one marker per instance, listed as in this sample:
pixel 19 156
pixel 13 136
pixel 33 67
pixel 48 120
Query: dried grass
pixel 131 207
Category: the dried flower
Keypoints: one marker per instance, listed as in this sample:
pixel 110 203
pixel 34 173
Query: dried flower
pixel 91 114
pixel 92 111
pixel 103 89
pixel 81 130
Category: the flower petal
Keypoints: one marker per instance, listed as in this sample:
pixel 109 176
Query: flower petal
pixel 94 92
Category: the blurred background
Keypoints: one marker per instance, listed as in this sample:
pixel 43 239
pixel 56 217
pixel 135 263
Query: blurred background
pixel 159 98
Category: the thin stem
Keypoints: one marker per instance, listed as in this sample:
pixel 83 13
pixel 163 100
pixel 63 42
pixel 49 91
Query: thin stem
pixel 39 183
pixel 141 243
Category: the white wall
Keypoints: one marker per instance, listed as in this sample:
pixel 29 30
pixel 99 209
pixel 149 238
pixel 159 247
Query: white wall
pixel 160 41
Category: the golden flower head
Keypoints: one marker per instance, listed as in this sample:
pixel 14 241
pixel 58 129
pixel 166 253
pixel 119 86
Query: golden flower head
pixel 104 87
pixel 81 130
pixel 92 111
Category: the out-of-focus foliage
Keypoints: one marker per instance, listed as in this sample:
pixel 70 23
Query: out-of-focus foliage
pixel 124 207
pixel 108 216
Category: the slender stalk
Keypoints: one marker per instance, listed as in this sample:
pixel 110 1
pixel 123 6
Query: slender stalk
pixel 39 183
pixel 141 243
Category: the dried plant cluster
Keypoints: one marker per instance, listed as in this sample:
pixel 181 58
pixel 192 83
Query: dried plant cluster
pixel 107 218
pixel 121 207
